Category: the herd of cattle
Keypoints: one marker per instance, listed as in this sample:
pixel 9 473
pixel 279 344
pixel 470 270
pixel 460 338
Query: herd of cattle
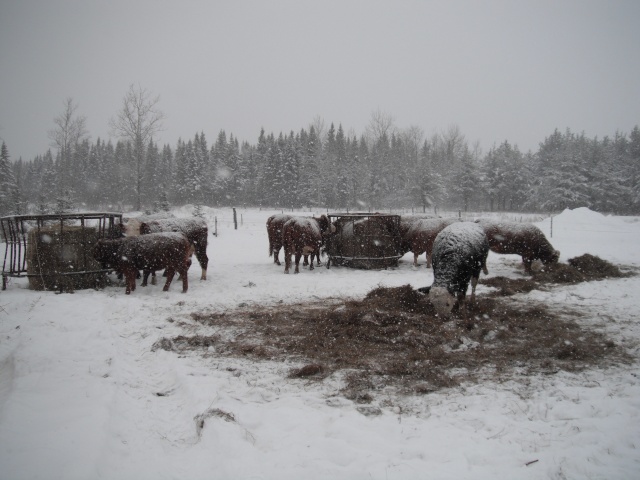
pixel 457 250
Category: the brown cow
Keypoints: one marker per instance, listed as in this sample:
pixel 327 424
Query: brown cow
pixel 155 251
pixel 275 224
pixel 195 229
pixel 304 236
pixel 419 234
pixel 522 239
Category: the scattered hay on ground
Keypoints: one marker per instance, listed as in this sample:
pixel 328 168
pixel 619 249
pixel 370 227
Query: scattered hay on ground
pixel 579 269
pixel 594 268
pixel 392 337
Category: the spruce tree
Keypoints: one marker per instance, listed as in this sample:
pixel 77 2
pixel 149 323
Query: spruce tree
pixel 8 185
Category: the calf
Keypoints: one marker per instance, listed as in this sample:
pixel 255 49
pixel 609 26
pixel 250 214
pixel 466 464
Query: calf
pixel 418 235
pixel 522 239
pixel 171 251
pixel 195 229
pixel 459 254
pixel 304 236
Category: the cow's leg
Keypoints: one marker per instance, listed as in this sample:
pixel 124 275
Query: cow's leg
pixel 311 264
pixel 474 283
pixel 527 264
pixel 153 278
pixel 297 269
pixel 170 273
pixel 185 281
pixel 287 260
pixel 203 259
pixel 145 277
pixel 428 259
pixel 130 280
pixel 305 261
pixel 276 254
pixel 415 259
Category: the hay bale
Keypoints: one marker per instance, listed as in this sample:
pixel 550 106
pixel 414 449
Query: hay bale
pixel 53 251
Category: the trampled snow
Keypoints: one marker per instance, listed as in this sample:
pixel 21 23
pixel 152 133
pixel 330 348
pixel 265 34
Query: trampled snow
pixel 83 396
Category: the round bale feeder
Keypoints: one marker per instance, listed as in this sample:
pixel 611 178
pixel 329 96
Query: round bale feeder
pixel 364 240
pixel 55 251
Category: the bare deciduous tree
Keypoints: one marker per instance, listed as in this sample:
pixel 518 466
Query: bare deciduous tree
pixel 69 131
pixel 320 128
pixel 138 121
pixel 381 123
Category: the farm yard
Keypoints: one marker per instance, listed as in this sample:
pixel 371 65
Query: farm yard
pixel 338 372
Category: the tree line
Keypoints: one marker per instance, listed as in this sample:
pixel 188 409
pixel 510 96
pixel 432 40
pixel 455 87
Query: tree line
pixel 323 167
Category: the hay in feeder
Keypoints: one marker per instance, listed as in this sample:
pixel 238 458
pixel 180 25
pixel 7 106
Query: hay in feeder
pixel 56 257
pixel 366 242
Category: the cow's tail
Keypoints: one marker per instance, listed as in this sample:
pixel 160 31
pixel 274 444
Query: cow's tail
pixel 270 248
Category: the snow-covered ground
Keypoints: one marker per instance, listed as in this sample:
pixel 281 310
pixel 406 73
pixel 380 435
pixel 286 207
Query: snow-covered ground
pixel 83 396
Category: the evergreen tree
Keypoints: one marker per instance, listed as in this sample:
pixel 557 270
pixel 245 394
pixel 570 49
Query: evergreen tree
pixel 8 185
pixel 466 181
pixel 150 177
pixel 429 185
pixel 634 168
pixel 180 178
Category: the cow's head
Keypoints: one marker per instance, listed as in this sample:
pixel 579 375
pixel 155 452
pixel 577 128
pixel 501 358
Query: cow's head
pixel 442 300
pixel 106 251
pixel 131 227
pixel 326 227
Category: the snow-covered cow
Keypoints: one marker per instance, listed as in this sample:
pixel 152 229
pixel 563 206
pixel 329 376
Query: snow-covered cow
pixel 522 239
pixel 418 235
pixel 304 236
pixel 459 254
pixel 275 225
pixel 195 229
pixel 156 251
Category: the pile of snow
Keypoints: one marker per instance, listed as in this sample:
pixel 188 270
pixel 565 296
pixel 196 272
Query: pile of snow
pixel 82 394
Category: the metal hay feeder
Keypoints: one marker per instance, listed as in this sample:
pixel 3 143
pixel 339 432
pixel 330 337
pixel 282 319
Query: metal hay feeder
pixel 364 240
pixel 54 251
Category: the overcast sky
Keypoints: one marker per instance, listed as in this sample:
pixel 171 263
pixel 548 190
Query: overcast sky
pixel 500 70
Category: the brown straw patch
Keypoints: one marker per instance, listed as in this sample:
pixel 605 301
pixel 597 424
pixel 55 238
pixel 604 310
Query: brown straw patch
pixel 393 337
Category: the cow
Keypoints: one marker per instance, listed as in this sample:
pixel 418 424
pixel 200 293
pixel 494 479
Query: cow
pixel 304 236
pixel 195 229
pixel 522 239
pixel 275 224
pixel 155 251
pixel 418 235
pixel 459 254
